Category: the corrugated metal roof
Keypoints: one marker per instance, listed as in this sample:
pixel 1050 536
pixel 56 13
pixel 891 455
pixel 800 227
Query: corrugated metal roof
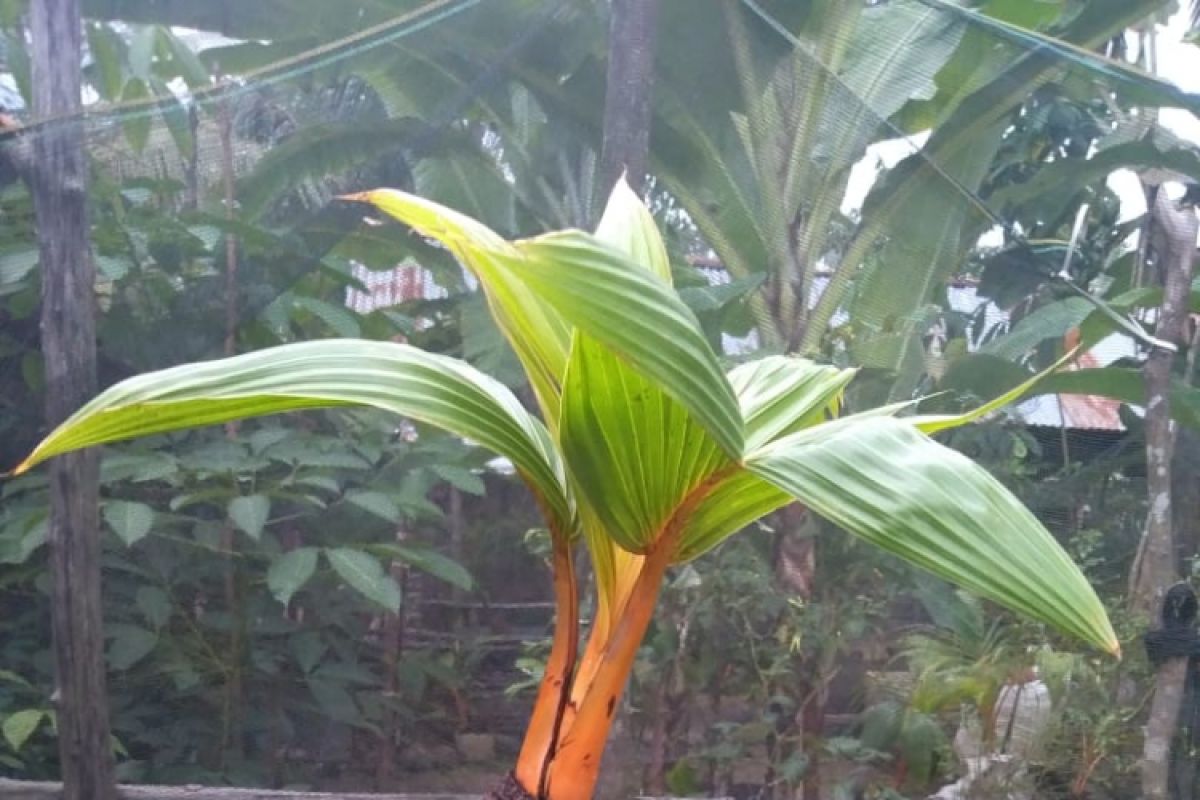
pixel 392 287
pixel 1055 411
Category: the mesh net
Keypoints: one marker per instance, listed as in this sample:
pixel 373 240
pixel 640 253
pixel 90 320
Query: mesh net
pixel 947 195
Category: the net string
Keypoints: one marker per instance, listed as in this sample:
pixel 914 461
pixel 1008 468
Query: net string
pixel 438 11
pixel 280 71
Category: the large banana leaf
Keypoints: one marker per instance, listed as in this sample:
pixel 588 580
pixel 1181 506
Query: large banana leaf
pixel 767 196
pixel 923 252
pixel 1120 76
pixel 434 389
pixel 883 480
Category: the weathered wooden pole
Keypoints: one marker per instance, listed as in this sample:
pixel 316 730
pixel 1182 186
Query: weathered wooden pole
pixel 58 181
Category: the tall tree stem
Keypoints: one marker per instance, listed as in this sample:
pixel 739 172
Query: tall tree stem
pixel 627 109
pixel 1173 232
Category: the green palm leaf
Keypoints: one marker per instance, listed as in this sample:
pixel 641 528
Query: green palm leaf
pixel 635 452
pixel 781 394
pixel 777 395
pixel 883 480
pixel 640 318
pixel 434 389
pixel 739 500
pixel 538 334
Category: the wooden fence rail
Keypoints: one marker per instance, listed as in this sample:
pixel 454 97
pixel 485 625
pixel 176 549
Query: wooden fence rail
pixel 29 790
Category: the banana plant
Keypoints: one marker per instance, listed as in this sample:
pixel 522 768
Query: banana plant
pixel 645 452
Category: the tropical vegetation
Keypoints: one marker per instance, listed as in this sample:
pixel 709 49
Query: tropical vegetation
pixel 647 451
pixel 264 579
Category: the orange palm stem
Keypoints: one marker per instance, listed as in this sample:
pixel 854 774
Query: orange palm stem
pixel 576 765
pixel 541 736
pixel 607 613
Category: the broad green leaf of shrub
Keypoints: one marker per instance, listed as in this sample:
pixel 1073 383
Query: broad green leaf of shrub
pixel 20 725
pixel 249 513
pixel 290 571
pixel 130 644
pixel 130 521
pixel 363 573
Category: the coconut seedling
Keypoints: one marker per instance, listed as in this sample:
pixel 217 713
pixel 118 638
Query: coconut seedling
pixel 645 453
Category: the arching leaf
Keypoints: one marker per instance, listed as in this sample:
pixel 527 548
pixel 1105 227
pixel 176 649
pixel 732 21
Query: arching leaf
pixel 538 334
pixel 434 389
pixel 781 394
pixel 634 450
pixel 628 227
pixel 739 500
pixel 778 395
pixel 883 480
pixel 638 317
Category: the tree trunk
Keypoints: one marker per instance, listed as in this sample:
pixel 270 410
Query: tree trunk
pixel 630 81
pixel 233 747
pixel 1173 236
pixel 1160 729
pixel 1185 493
pixel 1173 233
pixel 58 182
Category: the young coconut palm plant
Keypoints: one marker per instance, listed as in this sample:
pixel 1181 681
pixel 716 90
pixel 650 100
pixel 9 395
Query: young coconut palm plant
pixel 646 452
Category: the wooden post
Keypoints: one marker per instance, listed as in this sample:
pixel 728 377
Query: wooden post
pixel 58 181
pixel 627 109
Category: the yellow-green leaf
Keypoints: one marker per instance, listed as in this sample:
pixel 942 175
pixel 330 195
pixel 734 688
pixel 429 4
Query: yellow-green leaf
pixel 435 389
pixel 638 317
pixel 634 451
pixel 782 394
pixel 537 333
pixel 629 227
pixel 883 480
